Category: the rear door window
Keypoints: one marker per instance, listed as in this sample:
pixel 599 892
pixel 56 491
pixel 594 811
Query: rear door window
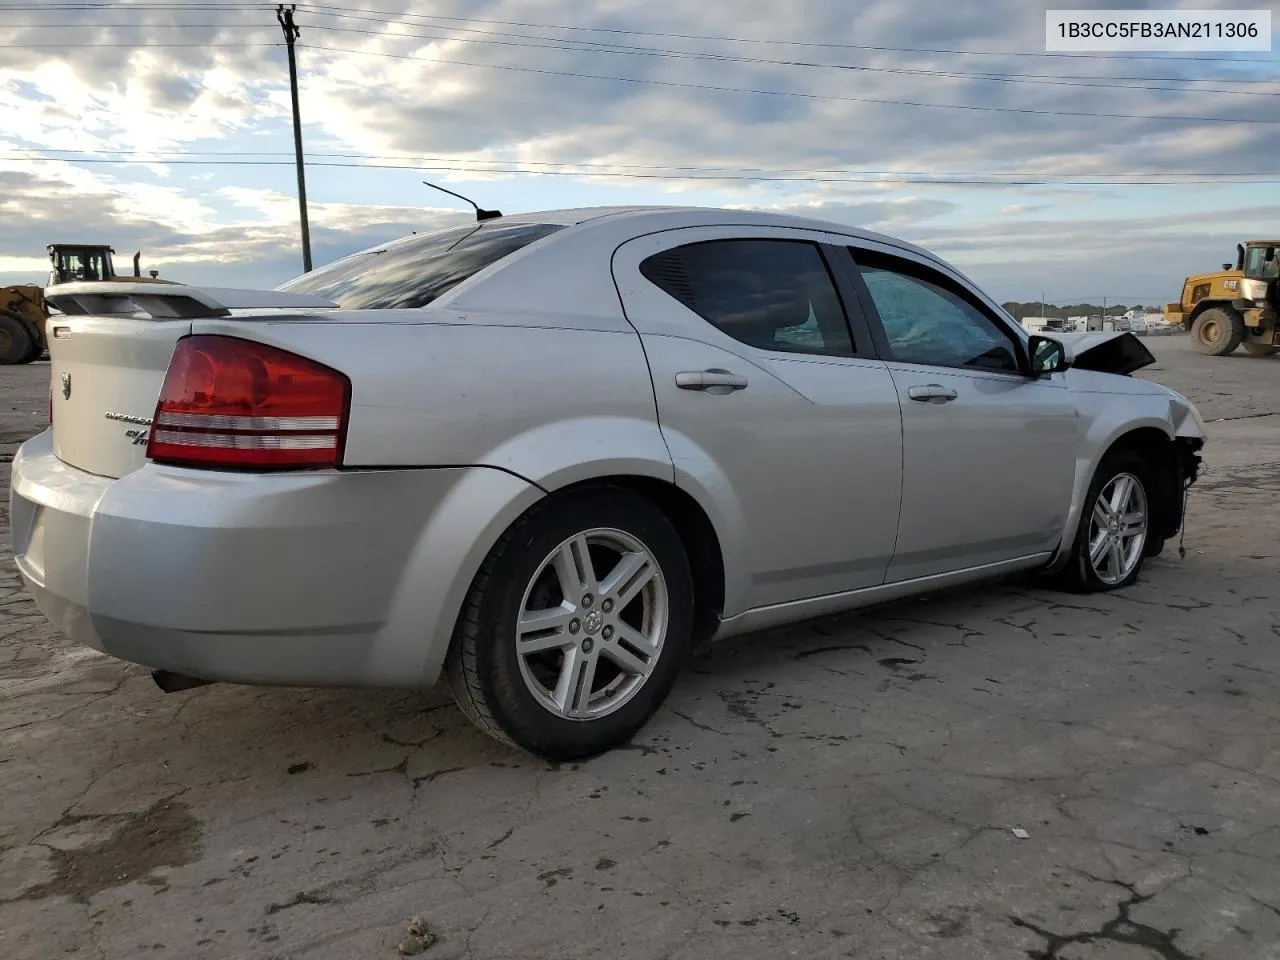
pixel 416 270
pixel 770 294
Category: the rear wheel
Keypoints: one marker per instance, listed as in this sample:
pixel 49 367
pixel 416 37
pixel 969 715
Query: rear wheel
pixel 1260 349
pixel 576 625
pixel 1112 540
pixel 1218 331
pixel 17 345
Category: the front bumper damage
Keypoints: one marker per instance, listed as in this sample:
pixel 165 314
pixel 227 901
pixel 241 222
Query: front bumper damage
pixel 1188 441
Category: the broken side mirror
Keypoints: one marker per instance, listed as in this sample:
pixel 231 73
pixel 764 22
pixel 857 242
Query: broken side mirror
pixel 1047 356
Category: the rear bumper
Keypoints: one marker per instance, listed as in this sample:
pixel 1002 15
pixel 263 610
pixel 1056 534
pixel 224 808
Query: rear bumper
pixel 301 578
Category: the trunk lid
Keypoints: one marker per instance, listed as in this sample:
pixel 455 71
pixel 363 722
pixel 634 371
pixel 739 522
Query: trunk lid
pixel 106 374
pixel 108 353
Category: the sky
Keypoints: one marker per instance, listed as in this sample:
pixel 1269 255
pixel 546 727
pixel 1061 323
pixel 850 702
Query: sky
pixel 165 126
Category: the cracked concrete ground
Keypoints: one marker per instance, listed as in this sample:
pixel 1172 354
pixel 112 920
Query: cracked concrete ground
pixel 845 788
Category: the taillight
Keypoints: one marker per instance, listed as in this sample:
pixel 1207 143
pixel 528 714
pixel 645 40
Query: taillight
pixel 228 402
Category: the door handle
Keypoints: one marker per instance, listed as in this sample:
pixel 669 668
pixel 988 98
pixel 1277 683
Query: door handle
pixel 931 393
pixel 714 380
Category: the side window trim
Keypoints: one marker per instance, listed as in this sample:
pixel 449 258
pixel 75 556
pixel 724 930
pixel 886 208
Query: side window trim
pixel 932 275
pixel 859 309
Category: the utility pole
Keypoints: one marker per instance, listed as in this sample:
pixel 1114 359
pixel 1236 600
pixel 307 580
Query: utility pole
pixel 285 17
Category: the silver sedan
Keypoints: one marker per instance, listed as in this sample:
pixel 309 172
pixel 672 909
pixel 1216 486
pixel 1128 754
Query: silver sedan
pixel 545 454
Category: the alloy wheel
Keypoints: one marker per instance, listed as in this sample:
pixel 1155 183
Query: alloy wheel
pixel 591 624
pixel 1118 529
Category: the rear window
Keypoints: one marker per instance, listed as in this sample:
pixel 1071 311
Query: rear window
pixel 416 270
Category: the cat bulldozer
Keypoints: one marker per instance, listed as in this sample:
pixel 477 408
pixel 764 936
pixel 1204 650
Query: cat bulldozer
pixel 23 311
pixel 1234 306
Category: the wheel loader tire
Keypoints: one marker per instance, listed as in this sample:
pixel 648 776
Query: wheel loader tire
pixel 1218 331
pixel 1261 349
pixel 17 345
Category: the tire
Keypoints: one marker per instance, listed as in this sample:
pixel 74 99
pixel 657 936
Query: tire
pixel 1082 574
pixel 526 699
pixel 1260 349
pixel 17 345
pixel 1218 331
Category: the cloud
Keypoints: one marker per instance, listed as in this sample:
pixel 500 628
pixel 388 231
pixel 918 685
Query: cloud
pixel 883 215
pixel 498 90
pixel 1140 259
pixel 178 234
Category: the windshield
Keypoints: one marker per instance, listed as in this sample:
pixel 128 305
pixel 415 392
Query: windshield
pixel 1257 267
pixel 416 270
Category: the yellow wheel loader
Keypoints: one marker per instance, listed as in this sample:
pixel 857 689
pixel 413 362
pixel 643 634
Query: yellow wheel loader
pixel 23 311
pixel 22 316
pixel 1234 306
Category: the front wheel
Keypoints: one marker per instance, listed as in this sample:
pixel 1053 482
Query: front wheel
pixel 576 625
pixel 1218 331
pixel 16 343
pixel 1112 539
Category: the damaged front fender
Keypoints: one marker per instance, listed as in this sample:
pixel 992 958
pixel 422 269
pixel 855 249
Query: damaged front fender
pixel 1187 422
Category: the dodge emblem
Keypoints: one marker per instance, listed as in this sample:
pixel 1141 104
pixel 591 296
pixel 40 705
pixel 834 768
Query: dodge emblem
pixel 66 386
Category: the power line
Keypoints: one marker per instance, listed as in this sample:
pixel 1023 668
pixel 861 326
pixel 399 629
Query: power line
pixel 800 94
pixel 1099 82
pixel 555 43
pixel 683 84
pixel 527 171
pixel 134 46
pixel 338 10
pixel 147 156
pixel 630 47
pixel 320 7
pixel 139 25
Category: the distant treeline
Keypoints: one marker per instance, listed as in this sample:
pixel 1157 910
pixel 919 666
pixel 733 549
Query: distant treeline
pixel 1037 309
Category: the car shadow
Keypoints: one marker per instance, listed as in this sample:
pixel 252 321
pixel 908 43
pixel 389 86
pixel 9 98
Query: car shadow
pixel 279 733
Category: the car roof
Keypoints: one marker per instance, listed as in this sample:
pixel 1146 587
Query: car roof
pixel 591 237
pixel 655 217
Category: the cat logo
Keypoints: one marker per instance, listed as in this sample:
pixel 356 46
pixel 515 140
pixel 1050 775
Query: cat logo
pixel 1231 284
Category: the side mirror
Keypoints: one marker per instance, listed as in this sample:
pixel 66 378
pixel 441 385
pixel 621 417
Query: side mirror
pixel 1047 356
pixel 1271 254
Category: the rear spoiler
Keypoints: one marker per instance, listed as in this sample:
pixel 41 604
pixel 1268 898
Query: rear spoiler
pixel 168 301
